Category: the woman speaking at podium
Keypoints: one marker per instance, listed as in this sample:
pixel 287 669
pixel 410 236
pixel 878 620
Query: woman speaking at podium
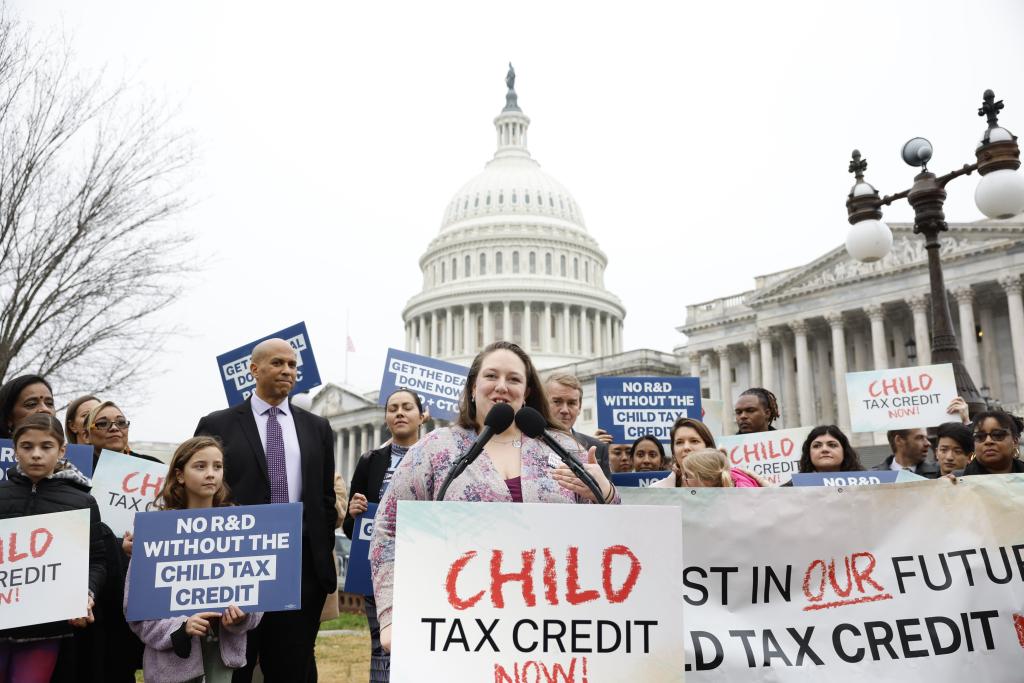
pixel 512 467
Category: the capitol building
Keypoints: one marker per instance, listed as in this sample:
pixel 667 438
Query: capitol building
pixel 513 260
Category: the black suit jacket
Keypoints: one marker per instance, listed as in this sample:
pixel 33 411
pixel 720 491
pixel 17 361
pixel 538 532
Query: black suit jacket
pixel 245 469
pixel 367 479
pixel 602 450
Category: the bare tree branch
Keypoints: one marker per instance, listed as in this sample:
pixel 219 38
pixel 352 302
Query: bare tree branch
pixel 90 180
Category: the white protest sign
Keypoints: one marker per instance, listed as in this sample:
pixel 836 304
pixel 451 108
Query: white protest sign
pixel 774 455
pixel 859 584
pixel 497 592
pixel 44 568
pixel 124 485
pixel 903 398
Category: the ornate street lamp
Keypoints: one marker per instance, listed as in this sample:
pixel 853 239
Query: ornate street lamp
pixel 1000 194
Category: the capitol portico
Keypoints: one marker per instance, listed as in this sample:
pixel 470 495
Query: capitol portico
pixel 837 315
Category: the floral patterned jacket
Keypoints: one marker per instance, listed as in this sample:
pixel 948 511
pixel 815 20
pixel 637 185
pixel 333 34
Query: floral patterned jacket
pixel 423 471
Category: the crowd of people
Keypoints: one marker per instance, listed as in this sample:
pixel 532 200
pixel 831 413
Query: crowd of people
pixel 267 450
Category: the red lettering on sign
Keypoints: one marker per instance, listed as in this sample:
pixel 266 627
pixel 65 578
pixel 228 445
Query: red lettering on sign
pixel 149 483
pixel 858 587
pixel 453 574
pixel 901 385
pixel 627 586
pixel 524 575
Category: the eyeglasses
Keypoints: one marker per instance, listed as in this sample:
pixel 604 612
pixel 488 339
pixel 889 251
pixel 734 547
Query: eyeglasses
pixel 996 434
pixel 105 425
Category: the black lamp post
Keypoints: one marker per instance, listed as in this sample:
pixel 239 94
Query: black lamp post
pixel 1000 194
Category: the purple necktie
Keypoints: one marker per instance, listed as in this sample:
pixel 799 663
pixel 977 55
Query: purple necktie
pixel 275 458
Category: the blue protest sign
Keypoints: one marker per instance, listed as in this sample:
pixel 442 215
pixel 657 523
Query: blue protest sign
pixel 631 407
pixel 77 454
pixel 358 580
pixel 845 478
pixel 239 382
pixel 189 561
pixel 637 479
pixel 438 383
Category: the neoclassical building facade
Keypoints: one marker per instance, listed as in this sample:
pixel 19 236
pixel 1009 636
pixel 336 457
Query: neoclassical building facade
pixel 799 331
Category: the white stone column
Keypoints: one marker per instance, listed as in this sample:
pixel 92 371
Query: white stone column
pixel 338 448
pixel 989 353
pixel 694 363
pixel 860 346
pixel 506 321
pixel 449 331
pixel 467 331
pixel 768 380
pixel 715 382
pixel 582 331
pixel 351 450
pixel 899 345
pixel 545 329
pixel 725 376
pixel 361 436
pixel 434 334
pixel 879 353
pixel 419 344
pixel 822 381
pixel 755 362
pixel 922 335
pixel 408 337
pixel 1012 286
pixel 527 326
pixel 566 345
pixel 790 413
pixel 368 434
pixel 835 322
pixel 609 346
pixel 804 373
pixel 968 333
pixel 598 333
pixel 488 324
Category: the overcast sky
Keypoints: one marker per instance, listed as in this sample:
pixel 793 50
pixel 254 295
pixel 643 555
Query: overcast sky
pixel 706 143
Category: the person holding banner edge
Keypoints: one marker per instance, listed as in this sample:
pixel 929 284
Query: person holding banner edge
pixel 404 414
pixel 512 467
pixel 206 646
pixel 43 482
pixel 275 452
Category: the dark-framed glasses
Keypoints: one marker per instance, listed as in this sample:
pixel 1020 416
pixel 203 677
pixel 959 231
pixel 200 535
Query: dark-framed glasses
pixel 105 425
pixel 996 434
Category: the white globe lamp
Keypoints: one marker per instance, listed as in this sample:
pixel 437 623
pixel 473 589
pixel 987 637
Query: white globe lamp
pixel 869 240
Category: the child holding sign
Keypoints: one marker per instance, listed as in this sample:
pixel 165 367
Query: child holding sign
pixel 43 482
pixel 206 646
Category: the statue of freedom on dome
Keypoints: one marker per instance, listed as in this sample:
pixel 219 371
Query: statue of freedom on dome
pixel 511 99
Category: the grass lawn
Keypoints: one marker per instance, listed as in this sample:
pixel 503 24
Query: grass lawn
pixel 341 658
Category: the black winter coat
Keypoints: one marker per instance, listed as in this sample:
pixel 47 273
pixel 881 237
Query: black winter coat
pixel 67 489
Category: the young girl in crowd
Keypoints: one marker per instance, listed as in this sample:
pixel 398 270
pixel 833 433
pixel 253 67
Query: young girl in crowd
pixel 687 436
pixel 42 482
pixel 709 467
pixel 206 646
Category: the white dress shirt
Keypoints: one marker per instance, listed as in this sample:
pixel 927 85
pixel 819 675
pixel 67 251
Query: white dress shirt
pixel 292 455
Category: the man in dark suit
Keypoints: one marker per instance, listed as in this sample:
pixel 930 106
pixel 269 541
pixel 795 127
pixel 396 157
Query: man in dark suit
pixel 565 396
pixel 275 452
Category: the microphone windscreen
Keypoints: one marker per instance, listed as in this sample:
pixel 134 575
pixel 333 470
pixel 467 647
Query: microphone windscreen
pixel 530 422
pixel 500 417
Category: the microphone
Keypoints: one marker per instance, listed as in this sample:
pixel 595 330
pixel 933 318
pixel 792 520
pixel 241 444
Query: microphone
pixel 499 418
pixel 533 424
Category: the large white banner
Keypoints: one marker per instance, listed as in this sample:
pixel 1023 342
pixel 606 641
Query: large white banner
pixel 922 581
pixel 44 568
pixel 514 593
pixel 774 455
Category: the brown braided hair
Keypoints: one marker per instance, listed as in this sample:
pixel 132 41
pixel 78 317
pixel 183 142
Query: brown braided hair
pixel 768 402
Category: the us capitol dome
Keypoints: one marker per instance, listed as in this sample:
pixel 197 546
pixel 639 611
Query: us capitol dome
pixel 513 260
